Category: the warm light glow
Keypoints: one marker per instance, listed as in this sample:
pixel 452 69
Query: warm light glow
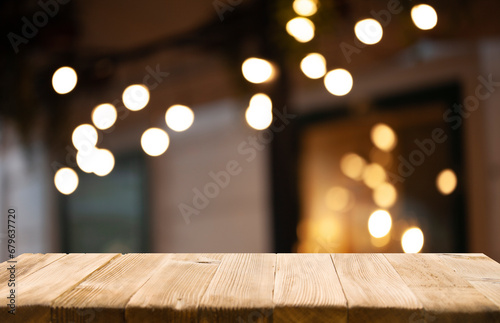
pixel 424 16
pixel 385 195
pixel 154 141
pixel 104 116
pixel 256 70
pixel 258 117
pixel 383 137
pixel 380 242
pixel 104 162
pixel 179 117
pixel 313 66
pixel 352 166
pixel 338 82
pixel 84 137
pixel 412 240
pixel 261 100
pixel 300 28
pixel 338 199
pixel 368 31
pixel 86 159
pixel 374 175
pixel 379 223
pixel 305 7
pixel 66 180
pixel 64 80
pixel 135 97
pixel 446 181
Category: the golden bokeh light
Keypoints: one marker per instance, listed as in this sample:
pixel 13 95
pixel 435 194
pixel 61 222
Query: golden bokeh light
pixel 257 70
pixel 379 223
pixel 85 159
pixel 446 181
pixel 300 28
pixel 66 180
pixel 262 100
pixel 383 137
pixel 380 242
pixel 104 162
pixel 135 97
pixel 64 80
pixel 305 7
pixel 313 66
pixel 412 240
pixel 424 16
pixel 104 116
pixel 84 137
pixel 259 117
pixel 179 117
pixel 154 141
pixel 368 31
pixel 385 195
pixel 338 82
pixel 352 166
pixel 339 199
pixel 374 175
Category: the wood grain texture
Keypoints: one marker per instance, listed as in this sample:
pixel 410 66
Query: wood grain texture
pixel 241 290
pixel 374 290
pixel 446 296
pixel 38 290
pixel 174 293
pixel 28 263
pixel 102 296
pixel 307 289
pixel 479 270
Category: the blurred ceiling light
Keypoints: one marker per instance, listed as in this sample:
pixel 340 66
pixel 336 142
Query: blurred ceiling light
pixel 179 117
pixel 154 141
pixel 385 195
pixel 86 160
pixel 446 181
pixel 424 16
pixel 104 162
pixel 383 137
pixel 338 82
pixel 257 70
pixel 104 116
pixel 412 240
pixel 305 7
pixel 313 66
pixel 379 223
pixel 258 117
pixel 262 100
pixel 64 80
pixel 66 180
pixel 352 165
pixel 84 137
pixel 368 31
pixel 374 175
pixel 300 28
pixel 338 199
pixel 135 97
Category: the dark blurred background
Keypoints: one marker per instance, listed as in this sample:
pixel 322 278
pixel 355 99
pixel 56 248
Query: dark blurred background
pixel 407 160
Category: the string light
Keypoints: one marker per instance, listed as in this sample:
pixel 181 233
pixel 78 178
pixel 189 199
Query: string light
pixel 424 16
pixel 379 223
pixel 104 116
pixel 300 28
pixel 154 141
pixel 338 82
pixel 257 70
pixel 64 80
pixel 179 117
pixel 305 7
pixel 446 181
pixel 84 137
pixel 313 66
pixel 412 240
pixel 383 137
pixel 368 31
pixel 135 97
pixel 66 180
pixel 104 162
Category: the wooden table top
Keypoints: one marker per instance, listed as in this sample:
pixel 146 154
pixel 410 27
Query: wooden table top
pixel 250 288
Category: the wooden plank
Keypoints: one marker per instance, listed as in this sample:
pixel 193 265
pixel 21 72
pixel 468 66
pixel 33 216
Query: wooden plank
pixel 445 295
pixel 174 292
pixel 26 264
pixel 374 290
pixel 102 296
pixel 307 289
pixel 241 290
pixel 479 270
pixel 39 289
